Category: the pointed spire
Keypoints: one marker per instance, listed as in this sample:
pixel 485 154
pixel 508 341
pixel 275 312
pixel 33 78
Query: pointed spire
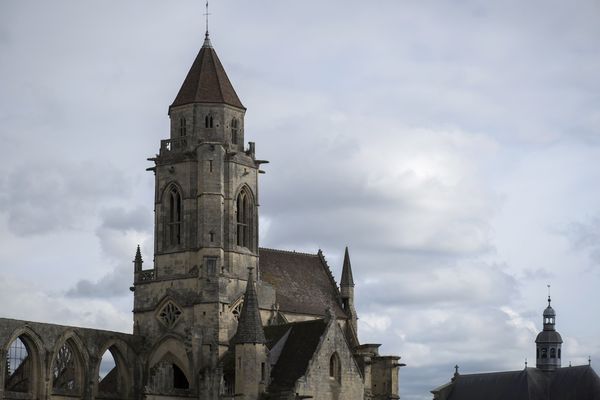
pixel 137 261
pixel 250 328
pixel 207 81
pixel 347 279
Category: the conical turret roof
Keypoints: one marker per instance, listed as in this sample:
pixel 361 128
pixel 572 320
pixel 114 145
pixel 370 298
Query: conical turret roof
pixel 207 82
pixel 250 328
pixel 347 279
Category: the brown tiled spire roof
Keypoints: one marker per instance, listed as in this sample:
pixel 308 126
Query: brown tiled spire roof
pixel 250 328
pixel 347 279
pixel 207 82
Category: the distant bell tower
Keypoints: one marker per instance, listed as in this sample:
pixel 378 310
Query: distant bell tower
pixel 548 342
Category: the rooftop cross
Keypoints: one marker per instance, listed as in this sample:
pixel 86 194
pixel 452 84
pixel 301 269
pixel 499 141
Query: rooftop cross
pixel 548 295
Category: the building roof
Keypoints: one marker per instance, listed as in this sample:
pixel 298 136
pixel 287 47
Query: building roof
pixel 207 82
pixel 249 329
pixel 301 341
pixel 303 282
pixel 347 279
pixel 569 383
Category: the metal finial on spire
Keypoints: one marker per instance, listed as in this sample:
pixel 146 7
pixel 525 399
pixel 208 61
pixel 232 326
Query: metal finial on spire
pixel 456 369
pixel 206 36
pixel 525 362
pixel 590 361
pixel 549 300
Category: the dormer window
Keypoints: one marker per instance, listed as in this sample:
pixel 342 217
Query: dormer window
pixel 208 121
pixel 234 131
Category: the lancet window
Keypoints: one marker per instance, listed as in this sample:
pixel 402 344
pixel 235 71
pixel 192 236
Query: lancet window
pixel 175 213
pixel 66 371
pixel 244 218
pixel 234 131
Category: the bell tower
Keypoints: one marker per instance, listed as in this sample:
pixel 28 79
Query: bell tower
pixel 548 342
pixel 205 227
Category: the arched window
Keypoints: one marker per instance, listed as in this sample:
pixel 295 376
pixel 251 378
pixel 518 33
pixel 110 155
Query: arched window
pixel 19 366
pixel 166 376
pixel 553 353
pixel 244 219
pixel 182 127
pixel 208 121
pixel 544 353
pixel 558 353
pixel 335 367
pixel 66 371
pixel 234 131
pixel 174 216
pixel 112 380
pixel 537 353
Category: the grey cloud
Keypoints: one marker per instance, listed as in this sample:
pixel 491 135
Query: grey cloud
pixel 114 284
pixel 585 236
pixel 120 219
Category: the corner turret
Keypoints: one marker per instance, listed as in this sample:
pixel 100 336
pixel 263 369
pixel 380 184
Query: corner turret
pixel 347 291
pixel 251 353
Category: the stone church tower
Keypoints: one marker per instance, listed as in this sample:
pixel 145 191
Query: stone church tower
pixel 206 222
pixel 215 316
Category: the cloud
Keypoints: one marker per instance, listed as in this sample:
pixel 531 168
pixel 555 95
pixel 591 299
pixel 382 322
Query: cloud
pixel 45 198
pixel 120 232
pixel 585 237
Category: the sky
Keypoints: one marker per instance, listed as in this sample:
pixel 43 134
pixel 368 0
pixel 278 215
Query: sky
pixel 452 145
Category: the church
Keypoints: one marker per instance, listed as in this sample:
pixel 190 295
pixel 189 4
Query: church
pixel 215 315
pixel 546 381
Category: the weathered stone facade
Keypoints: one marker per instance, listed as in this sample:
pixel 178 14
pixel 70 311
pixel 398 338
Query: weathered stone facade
pixel 297 330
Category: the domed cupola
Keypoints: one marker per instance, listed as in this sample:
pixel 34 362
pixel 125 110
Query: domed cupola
pixel 548 342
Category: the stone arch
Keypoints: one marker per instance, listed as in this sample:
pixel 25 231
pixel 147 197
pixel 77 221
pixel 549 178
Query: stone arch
pixel 28 375
pixel 68 366
pixel 169 368
pixel 121 380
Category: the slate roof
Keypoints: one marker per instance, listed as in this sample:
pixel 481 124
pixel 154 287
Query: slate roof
pixel 569 383
pixel 207 82
pixel 300 345
pixel 303 282
pixel 249 329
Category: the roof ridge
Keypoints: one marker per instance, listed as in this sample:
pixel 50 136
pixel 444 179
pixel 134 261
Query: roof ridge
pixel 287 252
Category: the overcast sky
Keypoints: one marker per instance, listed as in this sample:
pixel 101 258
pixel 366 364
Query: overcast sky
pixel 454 146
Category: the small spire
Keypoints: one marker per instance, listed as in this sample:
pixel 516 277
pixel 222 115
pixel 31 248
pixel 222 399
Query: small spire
pixel 250 328
pixel 590 361
pixel 137 261
pixel 347 278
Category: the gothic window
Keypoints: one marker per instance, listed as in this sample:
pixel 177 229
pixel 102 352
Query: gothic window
pixel 174 216
pixel 110 379
pixel 166 377
pixel 169 314
pixel 244 219
pixel 182 127
pixel 234 131
pixel 553 353
pixel 208 121
pixel 335 367
pixel 18 368
pixel 65 370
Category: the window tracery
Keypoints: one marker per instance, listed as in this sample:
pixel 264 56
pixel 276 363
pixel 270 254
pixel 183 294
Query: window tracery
pixel 169 314
pixel 245 209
